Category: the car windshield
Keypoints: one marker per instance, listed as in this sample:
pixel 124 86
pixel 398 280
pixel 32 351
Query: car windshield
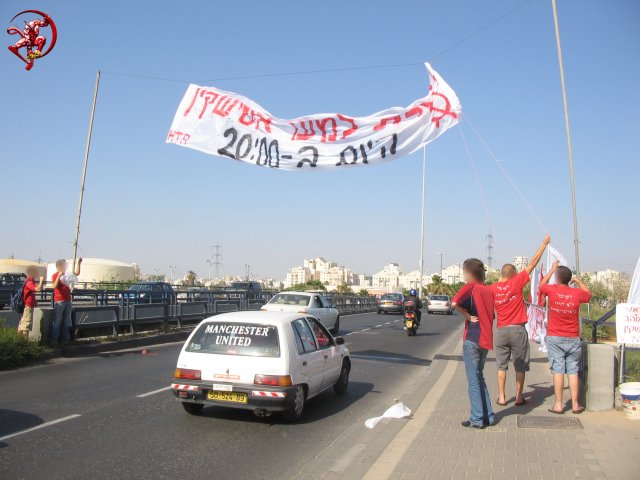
pixel 393 296
pixel 290 299
pixel 440 297
pixel 141 286
pixel 230 338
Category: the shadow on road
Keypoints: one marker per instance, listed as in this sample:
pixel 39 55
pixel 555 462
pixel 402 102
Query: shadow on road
pixel 323 406
pixel 12 421
pixel 390 357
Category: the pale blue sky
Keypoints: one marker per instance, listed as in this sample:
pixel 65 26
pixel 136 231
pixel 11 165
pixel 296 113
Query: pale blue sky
pixel 157 204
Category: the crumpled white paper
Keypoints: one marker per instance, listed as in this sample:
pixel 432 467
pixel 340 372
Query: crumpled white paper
pixel 69 279
pixel 399 410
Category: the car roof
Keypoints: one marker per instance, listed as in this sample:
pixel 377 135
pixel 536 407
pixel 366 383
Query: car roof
pixel 260 317
pixel 307 294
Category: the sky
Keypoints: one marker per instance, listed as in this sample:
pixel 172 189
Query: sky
pixel 158 204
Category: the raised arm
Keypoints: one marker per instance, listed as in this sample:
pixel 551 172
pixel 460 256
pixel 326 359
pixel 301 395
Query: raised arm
pixel 576 279
pixel 40 284
pixel 548 276
pixel 536 258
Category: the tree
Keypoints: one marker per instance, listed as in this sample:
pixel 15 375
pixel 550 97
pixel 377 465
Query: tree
pixel 156 278
pixel 437 286
pixel 363 292
pixel 492 278
pixel 344 289
pixel 190 279
pixel 310 285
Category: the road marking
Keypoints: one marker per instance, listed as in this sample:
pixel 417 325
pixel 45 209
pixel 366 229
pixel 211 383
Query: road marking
pixel 38 427
pixel 388 322
pixel 365 329
pixel 378 326
pixel 387 462
pixel 347 334
pixel 154 392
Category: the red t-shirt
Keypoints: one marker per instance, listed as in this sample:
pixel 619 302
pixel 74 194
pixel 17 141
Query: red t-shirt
pixel 62 293
pixel 509 301
pixel 29 293
pixel 477 299
pixel 564 309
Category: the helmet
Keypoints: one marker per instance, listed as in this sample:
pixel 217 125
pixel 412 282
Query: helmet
pixel 414 293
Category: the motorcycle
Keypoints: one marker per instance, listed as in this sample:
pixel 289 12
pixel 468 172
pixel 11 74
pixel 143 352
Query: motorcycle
pixel 411 323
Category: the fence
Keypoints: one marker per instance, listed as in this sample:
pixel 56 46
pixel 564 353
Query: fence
pixel 125 310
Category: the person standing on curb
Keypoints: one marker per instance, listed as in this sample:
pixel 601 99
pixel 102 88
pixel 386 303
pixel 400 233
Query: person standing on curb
pixel 62 304
pixel 475 302
pixel 29 297
pixel 563 332
pixel 511 337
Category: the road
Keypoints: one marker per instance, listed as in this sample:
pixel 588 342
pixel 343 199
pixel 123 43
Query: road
pixel 111 416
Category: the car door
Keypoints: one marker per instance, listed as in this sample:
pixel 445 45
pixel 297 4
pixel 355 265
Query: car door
pixel 318 310
pixel 331 356
pixel 310 357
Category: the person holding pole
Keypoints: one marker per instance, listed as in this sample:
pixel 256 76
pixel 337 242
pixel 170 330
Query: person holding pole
pixel 511 339
pixel 563 332
pixel 62 303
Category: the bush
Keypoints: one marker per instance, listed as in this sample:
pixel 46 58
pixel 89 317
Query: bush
pixel 16 350
pixel 632 365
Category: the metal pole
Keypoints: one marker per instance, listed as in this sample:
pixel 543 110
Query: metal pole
pixel 84 170
pixel 424 174
pixel 568 131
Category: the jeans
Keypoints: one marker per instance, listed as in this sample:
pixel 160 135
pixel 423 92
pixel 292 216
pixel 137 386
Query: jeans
pixel 61 323
pixel 474 358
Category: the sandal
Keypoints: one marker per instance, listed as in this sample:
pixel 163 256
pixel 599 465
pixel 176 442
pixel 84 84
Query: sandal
pixel 519 404
pixel 551 410
pixel 501 404
pixel 578 412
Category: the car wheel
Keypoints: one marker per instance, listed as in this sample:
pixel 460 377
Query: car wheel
pixel 378 312
pixel 297 406
pixel 336 327
pixel 192 408
pixel 2 306
pixel 341 385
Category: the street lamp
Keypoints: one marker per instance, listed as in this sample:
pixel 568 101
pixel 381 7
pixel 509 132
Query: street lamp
pixel 172 268
pixel 209 262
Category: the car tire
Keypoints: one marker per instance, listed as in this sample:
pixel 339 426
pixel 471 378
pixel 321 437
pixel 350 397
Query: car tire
pixel 1 306
pixel 341 385
pixel 294 413
pixel 192 408
pixel 378 312
pixel 336 327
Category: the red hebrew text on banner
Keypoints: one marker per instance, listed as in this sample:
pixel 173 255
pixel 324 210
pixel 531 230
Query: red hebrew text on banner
pixel 230 125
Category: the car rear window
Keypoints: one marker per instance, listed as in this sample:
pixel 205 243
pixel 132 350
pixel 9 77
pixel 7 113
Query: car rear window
pixel 229 338
pixel 439 297
pixel 290 299
pixel 391 297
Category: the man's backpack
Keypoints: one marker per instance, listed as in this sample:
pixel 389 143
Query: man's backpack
pixel 17 300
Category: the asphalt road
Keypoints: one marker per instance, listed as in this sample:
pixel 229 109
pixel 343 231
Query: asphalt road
pixel 112 416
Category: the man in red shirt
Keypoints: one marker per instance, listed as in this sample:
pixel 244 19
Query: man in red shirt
pixel 475 302
pixel 563 332
pixel 511 337
pixel 30 302
pixel 62 304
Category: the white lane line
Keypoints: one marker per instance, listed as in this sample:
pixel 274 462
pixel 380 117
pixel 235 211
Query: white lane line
pixel 38 427
pixel 388 323
pixel 142 395
pixel 365 329
pixel 350 333
pixel 378 326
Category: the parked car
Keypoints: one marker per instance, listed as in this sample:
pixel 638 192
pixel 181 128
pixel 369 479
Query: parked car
pixel 390 302
pixel 260 361
pixel 151 292
pixel 439 304
pixel 9 283
pixel 304 302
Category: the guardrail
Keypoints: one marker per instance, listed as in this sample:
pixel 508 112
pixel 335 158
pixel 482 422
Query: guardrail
pixel 596 323
pixel 117 310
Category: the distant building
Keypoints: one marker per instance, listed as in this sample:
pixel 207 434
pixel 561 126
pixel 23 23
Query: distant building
pixel 411 280
pixel 365 281
pixel 388 277
pixel 609 278
pixel 452 274
pixel 520 263
pixel 16 265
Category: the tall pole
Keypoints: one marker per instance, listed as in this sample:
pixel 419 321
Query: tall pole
pixel 424 176
pixel 84 169
pixel 568 131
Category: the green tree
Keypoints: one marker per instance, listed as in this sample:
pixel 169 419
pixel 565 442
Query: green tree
pixel 310 285
pixel 363 292
pixel 190 279
pixel 344 289
pixel 157 278
pixel 492 278
pixel 437 286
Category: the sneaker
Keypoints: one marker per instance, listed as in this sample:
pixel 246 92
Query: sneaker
pixel 468 424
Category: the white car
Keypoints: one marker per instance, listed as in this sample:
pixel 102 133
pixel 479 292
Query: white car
pixel 304 302
pixel 440 304
pixel 260 361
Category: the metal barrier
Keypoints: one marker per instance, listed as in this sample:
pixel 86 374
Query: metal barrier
pixel 95 317
pixel 601 321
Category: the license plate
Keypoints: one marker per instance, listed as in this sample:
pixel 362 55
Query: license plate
pixel 221 387
pixel 234 397
pixel 388 303
pixel 409 324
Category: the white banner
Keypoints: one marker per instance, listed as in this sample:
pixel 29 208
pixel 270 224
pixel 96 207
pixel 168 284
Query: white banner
pixel 628 323
pixel 230 125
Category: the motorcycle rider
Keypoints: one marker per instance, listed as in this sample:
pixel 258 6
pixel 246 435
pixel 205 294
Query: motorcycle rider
pixel 413 297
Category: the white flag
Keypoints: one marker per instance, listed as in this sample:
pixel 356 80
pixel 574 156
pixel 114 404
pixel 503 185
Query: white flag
pixel 634 290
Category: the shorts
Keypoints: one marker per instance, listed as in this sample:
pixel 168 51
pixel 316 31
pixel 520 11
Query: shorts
pixel 26 322
pixel 564 354
pixel 512 342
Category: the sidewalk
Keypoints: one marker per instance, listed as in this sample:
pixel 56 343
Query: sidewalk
pixel 433 445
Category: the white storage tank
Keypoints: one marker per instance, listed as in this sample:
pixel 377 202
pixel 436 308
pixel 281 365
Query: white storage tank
pixel 17 265
pixel 101 270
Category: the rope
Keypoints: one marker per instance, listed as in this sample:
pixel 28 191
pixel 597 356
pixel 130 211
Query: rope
pixel 485 204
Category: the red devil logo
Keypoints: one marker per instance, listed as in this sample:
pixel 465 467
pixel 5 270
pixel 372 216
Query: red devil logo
pixel 31 39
